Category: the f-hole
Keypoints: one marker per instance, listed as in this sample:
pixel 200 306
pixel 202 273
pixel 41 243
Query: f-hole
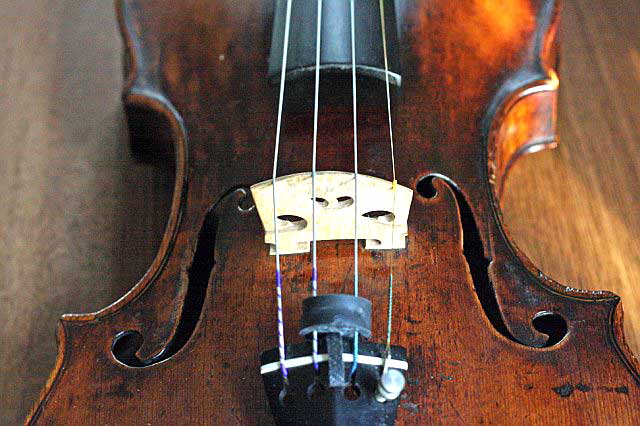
pixel 551 324
pixel 127 343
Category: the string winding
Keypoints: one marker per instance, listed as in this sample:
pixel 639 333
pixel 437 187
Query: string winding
pixel 281 347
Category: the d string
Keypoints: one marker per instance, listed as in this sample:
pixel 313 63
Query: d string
pixel 354 366
pixel 281 349
pixel 314 256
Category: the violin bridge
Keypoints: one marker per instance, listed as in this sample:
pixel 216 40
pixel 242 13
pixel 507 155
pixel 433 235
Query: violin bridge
pixel 383 210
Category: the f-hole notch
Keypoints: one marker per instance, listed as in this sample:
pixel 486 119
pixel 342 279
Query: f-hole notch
pixel 127 343
pixel 551 324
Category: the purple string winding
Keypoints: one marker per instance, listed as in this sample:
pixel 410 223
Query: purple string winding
pixel 283 368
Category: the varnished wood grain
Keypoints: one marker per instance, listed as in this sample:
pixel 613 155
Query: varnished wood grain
pixel 69 248
pixel 192 66
pixel 80 220
pixel 575 210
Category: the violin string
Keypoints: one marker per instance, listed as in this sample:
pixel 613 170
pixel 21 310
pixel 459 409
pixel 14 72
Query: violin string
pixel 386 77
pixel 354 366
pixel 281 348
pixel 314 256
pixel 393 168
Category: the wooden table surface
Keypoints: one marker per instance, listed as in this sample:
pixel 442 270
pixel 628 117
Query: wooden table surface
pixel 80 220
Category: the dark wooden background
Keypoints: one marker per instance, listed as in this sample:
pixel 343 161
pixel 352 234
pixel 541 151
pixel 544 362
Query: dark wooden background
pixel 80 220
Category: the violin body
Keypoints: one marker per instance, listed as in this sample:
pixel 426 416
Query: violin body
pixel 489 337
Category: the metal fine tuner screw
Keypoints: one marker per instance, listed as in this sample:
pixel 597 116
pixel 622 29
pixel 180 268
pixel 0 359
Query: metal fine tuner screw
pixel 390 386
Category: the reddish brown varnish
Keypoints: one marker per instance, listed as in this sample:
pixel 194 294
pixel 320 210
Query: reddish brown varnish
pixel 478 91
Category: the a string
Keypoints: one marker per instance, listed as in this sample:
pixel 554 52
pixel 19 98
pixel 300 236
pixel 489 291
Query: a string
pixel 386 76
pixel 393 168
pixel 281 349
pixel 314 256
pixel 354 366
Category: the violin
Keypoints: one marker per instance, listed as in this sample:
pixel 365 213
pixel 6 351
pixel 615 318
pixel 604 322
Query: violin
pixel 335 252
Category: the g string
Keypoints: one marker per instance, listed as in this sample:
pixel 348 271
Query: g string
pixel 281 348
